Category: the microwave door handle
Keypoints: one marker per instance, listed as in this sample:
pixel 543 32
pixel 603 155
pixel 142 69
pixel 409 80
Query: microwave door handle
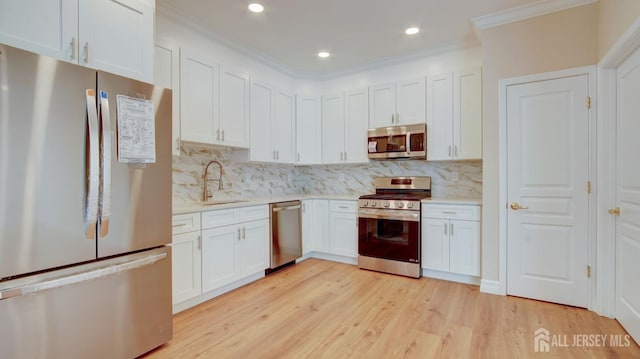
pixel 105 185
pixel 92 153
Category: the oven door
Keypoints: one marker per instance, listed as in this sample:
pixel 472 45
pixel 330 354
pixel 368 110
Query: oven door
pixel 389 234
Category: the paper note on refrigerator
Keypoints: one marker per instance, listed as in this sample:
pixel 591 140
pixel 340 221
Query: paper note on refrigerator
pixel 136 130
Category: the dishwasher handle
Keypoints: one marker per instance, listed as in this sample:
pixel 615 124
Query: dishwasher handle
pixel 289 208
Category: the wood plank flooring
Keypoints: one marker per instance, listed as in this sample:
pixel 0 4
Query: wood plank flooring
pixel 319 309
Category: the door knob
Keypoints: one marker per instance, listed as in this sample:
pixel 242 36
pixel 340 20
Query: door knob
pixel 615 211
pixel 516 206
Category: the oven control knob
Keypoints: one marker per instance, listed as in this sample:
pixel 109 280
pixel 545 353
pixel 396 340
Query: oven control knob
pixel 365 203
pixel 399 204
pixel 387 204
pixel 373 203
pixel 410 205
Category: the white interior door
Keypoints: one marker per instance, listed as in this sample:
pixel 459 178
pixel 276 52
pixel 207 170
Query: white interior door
pixel 547 176
pixel 628 196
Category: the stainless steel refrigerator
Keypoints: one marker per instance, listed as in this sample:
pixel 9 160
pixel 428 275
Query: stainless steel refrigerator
pixel 85 211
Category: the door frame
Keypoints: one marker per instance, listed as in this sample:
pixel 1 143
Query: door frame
pixel 503 85
pixel 607 115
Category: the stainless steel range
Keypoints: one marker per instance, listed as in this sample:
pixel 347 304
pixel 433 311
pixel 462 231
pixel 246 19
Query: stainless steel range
pixel 389 225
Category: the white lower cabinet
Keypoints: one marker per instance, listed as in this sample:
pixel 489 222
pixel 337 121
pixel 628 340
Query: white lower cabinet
pixel 343 224
pixel 451 238
pixel 186 257
pixel 234 251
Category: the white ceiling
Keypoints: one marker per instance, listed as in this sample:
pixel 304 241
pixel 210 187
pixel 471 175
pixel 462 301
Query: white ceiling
pixel 358 33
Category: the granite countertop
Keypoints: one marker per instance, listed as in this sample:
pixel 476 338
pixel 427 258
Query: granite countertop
pixel 244 202
pixel 235 203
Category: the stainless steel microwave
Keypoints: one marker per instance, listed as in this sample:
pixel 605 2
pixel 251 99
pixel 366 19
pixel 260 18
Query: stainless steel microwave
pixel 398 142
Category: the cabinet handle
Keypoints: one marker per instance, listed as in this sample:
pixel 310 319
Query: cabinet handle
pixel 397 118
pixel 200 242
pixel 277 155
pixel 445 229
pixel 86 52
pixel 455 150
pixel 222 135
pixel 179 225
pixel 341 156
pixel 73 48
pixel 298 156
pixel 451 231
pixel 449 151
pixel 448 212
pixel 244 232
pixel 239 234
pixel 345 156
pixel 178 144
pixel 343 207
pixel 274 154
pixel 218 135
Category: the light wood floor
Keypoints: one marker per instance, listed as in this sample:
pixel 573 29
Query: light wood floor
pixel 320 309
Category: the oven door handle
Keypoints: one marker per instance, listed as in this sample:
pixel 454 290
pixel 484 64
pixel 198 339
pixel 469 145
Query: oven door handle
pixel 396 215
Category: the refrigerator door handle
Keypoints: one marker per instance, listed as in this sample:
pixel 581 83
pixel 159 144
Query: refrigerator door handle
pixel 75 278
pixel 92 153
pixel 105 165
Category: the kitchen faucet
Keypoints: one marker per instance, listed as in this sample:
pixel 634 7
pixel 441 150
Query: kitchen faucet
pixel 206 193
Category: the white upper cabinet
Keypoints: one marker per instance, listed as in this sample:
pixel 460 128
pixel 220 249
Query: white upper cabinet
pixel 308 129
pixel 167 74
pixel 114 36
pixel 199 109
pixel 356 123
pixel 272 124
pixel 454 117
pixel 214 102
pixel 234 108
pixel 397 103
pixel 333 128
pixel 344 127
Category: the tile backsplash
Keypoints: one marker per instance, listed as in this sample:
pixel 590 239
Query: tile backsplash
pixel 244 179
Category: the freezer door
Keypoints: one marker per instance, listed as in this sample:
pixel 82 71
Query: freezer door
pixel 43 186
pixel 116 308
pixel 135 198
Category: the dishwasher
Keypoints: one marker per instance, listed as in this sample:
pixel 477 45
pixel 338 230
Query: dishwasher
pixel 286 234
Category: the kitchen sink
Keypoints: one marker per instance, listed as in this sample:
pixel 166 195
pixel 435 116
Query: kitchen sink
pixel 229 201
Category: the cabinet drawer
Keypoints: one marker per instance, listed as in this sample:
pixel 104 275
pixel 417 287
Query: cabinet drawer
pixel 463 212
pixel 344 206
pixel 221 217
pixel 183 223
pixel 253 213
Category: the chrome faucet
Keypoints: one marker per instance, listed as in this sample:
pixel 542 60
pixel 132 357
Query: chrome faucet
pixel 206 193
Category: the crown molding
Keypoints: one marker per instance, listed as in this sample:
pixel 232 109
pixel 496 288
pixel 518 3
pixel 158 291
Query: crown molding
pixel 524 12
pixel 177 15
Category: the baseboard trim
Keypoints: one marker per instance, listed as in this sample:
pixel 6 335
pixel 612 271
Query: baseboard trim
pixel 452 277
pixel 490 287
pixel 332 257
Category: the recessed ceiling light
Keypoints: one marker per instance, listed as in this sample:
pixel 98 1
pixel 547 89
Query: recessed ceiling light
pixel 412 30
pixel 256 7
pixel 324 54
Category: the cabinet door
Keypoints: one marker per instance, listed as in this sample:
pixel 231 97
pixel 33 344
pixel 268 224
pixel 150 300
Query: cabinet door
pixel 411 101
pixel 435 244
pixel 382 105
pixel 117 36
pixel 220 256
pixel 440 117
pixel 344 234
pixel 167 74
pixel 467 114
pixel 321 237
pixel 262 113
pixel 464 246
pixel 356 124
pixel 234 108
pixel 43 26
pixel 186 266
pixel 333 128
pixel 283 134
pixel 308 129
pixel 308 231
pixel 198 98
pixel 255 247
